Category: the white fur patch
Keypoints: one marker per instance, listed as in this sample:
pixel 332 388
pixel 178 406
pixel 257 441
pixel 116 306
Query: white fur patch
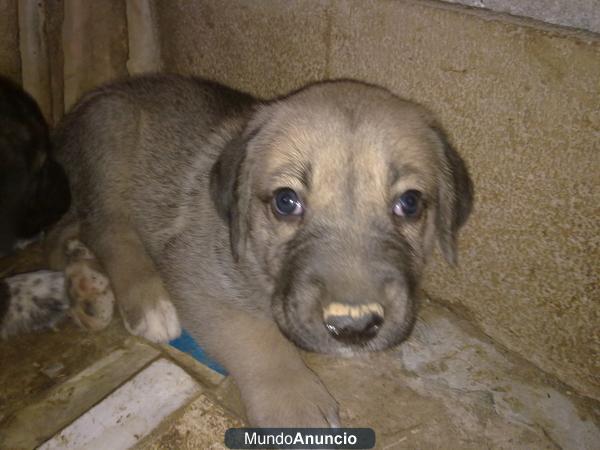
pixel 159 324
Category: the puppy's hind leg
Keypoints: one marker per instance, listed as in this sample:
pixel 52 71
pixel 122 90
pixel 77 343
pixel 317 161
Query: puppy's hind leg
pixel 141 296
pixel 65 230
pixel 88 287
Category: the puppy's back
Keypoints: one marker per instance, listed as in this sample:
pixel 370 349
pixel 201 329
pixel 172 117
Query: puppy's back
pixel 140 144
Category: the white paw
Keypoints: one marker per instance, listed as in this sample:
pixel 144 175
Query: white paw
pixel 158 323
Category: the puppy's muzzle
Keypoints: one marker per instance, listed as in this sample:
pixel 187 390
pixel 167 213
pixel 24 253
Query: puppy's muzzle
pixel 353 324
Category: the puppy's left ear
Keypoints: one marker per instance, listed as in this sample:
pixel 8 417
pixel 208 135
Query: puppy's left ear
pixel 455 197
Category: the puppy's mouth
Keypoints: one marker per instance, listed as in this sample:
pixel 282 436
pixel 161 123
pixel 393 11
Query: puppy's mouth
pixel 341 329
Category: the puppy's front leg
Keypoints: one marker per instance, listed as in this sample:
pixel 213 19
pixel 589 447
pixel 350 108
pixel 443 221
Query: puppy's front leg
pixel 276 386
pixel 141 296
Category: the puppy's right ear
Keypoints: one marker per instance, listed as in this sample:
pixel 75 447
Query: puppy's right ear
pixel 227 179
pixel 224 175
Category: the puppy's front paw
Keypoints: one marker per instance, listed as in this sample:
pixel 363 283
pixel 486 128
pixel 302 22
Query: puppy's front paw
pixel 293 400
pixel 149 313
pixel 158 323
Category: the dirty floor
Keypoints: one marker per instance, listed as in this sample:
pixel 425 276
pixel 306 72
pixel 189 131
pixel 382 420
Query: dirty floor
pixel 447 387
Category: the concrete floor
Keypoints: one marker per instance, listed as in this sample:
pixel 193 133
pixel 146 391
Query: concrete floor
pixel 447 387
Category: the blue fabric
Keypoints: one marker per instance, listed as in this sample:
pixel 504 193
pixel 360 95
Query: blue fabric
pixel 187 344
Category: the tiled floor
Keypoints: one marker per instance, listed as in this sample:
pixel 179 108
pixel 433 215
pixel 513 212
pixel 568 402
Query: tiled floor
pixel 106 390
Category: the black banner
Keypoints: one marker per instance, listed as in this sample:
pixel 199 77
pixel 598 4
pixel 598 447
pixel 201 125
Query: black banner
pixel 300 438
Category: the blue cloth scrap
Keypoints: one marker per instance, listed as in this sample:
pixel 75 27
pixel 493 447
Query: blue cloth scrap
pixel 187 344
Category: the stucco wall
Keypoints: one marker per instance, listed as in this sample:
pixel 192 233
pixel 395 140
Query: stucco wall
pixel 520 103
pixel 10 63
pixel 94 42
pixel 265 47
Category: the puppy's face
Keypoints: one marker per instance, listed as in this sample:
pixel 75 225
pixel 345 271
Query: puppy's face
pixel 340 192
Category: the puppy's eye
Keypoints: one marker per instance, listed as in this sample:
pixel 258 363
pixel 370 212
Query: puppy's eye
pixel 286 203
pixel 409 204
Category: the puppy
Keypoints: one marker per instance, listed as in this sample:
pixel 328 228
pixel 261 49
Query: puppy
pixel 34 191
pixel 305 221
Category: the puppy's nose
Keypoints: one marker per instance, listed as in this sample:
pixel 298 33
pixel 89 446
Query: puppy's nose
pixel 353 324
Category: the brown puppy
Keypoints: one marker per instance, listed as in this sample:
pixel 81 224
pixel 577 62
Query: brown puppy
pixel 311 216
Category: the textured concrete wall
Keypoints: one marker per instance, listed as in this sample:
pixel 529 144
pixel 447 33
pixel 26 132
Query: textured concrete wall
pixel 10 62
pixel 268 47
pixel 143 41
pixel 30 51
pixel 35 73
pixel 94 42
pixel 584 14
pixel 522 105
pixel 54 21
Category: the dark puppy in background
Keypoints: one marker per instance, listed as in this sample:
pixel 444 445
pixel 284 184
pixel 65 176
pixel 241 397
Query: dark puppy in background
pixel 305 220
pixel 34 193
